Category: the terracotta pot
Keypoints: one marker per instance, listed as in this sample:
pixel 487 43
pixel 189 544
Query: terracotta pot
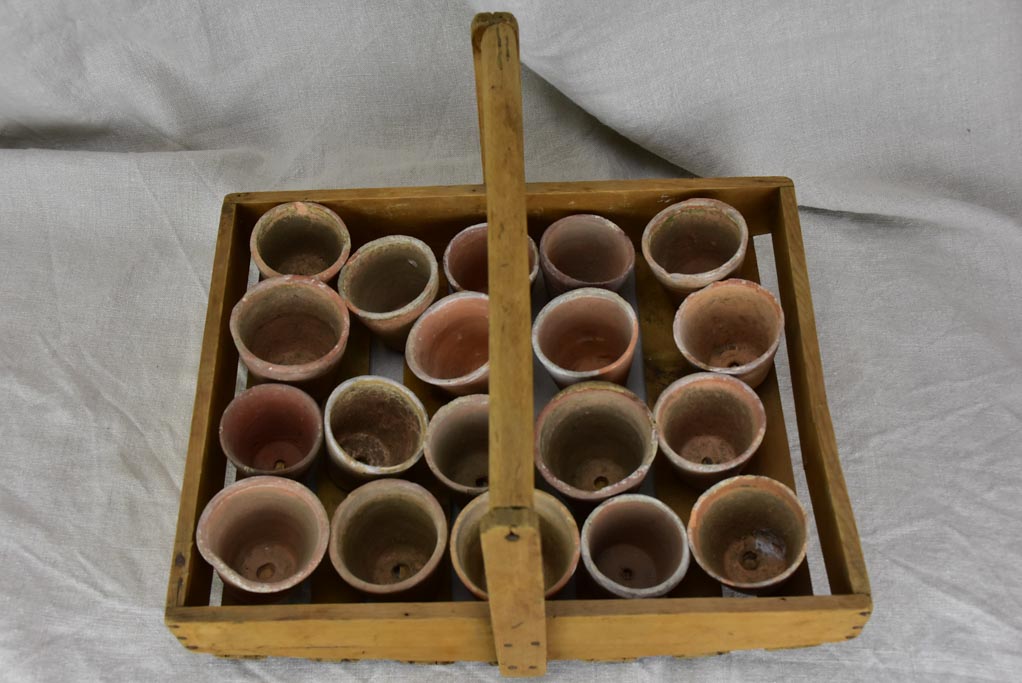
pixel 375 427
pixel 585 250
pixel 693 243
pixel 466 262
pixel 749 533
pixel 586 334
pixel 388 283
pixel 732 327
pixel 709 425
pixel 635 547
pixel 290 329
pixel 263 534
pixel 448 346
pixel 300 238
pixel 458 444
pixel 272 429
pixel 595 440
pixel 387 537
pixel 558 537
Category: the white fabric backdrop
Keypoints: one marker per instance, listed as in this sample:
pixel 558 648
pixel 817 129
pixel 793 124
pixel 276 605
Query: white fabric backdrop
pixel 122 124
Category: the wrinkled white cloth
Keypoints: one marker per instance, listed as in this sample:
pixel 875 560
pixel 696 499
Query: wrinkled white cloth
pixel 122 125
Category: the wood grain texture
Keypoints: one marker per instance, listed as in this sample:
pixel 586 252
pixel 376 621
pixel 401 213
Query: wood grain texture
pixel 510 530
pixel 839 536
pixel 190 576
pixel 517 617
pixel 604 630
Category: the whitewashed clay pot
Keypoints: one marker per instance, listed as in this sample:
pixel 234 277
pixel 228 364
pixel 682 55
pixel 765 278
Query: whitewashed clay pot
pixel 584 335
pixel 731 327
pixel 709 426
pixel 692 243
pixel 388 283
pixel 300 238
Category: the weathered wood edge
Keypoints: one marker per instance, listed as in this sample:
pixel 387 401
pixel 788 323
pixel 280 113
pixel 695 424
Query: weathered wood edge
pixel 839 536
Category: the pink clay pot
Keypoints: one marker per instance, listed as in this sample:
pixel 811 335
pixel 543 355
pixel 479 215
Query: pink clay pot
pixel 732 327
pixel 692 243
pixel 709 426
pixel 466 264
pixel 448 346
pixel 585 250
pixel 263 534
pixel 300 238
pixel 559 542
pixel 586 334
pixel 635 547
pixel 272 429
pixel 290 329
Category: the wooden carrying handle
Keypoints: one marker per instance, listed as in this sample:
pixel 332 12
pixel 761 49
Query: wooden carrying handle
pixel 510 530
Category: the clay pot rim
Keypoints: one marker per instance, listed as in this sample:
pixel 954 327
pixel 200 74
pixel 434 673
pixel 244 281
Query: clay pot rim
pixel 436 513
pixel 413 363
pixel 696 280
pixel 748 480
pixel 633 479
pixel 573 283
pixel 360 467
pixel 616 588
pixel 568 297
pixel 299 371
pixel 301 465
pixel 732 383
pixel 442 411
pixel 484 500
pixel 273 214
pixel 427 293
pixel 240 487
pixel 533 251
pixel 741 369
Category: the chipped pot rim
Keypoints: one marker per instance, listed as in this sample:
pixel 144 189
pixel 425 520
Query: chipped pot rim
pixel 230 575
pixel 733 383
pixel 696 280
pixel 428 291
pixel 335 450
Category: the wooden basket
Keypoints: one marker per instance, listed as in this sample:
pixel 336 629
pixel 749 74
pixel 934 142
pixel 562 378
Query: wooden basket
pixel 517 627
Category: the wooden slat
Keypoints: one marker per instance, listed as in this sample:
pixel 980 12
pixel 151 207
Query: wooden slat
pixel 839 537
pixel 190 575
pixel 510 530
pixel 577 629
